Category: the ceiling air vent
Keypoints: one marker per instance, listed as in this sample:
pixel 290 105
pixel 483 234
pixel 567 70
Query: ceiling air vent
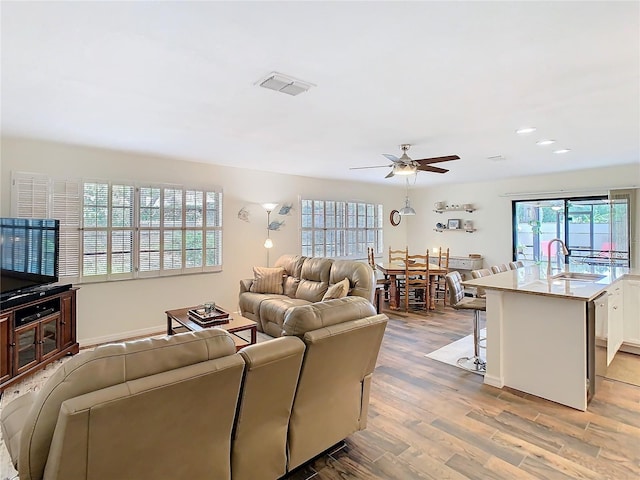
pixel 285 84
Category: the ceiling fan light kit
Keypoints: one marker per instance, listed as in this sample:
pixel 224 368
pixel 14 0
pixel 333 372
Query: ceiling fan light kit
pixel 405 165
pixel 404 169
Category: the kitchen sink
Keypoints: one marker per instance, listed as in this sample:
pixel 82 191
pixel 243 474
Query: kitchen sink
pixel 583 277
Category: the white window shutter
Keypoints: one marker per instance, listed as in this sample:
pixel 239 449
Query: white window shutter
pixel 30 195
pixel 66 208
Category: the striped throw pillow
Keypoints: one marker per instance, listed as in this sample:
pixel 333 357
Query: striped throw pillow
pixel 267 280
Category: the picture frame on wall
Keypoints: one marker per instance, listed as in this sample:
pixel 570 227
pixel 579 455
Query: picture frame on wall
pixel 453 223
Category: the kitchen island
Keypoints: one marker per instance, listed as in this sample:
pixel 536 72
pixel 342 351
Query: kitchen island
pixel 541 329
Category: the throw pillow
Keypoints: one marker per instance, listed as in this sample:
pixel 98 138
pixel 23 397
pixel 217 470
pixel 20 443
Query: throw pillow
pixel 338 290
pixel 267 280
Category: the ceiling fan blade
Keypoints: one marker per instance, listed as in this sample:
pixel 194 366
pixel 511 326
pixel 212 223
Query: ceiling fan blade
pixel 375 166
pixel 428 168
pixel 393 158
pixel 426 161
pixel 390 174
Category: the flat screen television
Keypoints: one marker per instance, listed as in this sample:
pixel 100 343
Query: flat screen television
pixel 29 250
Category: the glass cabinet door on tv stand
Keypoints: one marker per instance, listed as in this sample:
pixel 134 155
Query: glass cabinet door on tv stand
pixel 36 333
pixel 36 342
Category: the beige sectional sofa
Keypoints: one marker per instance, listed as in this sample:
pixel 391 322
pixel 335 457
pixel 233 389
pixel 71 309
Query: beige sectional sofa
pixel 189 407
pixel 305 281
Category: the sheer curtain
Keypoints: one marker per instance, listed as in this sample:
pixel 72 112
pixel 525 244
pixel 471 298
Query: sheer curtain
pixel 623 218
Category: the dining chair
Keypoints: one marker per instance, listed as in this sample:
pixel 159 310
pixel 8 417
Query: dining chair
pixel 382 281
pixel 499 268
pixel 416 281
pixel 458 301
pixel 481 272
pixel 515 265
pixel 439 287
pixel 398 256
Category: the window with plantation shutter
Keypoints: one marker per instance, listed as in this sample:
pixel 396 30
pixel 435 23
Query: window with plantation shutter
pixel 66 202
pixel 119 230
pixel 340 229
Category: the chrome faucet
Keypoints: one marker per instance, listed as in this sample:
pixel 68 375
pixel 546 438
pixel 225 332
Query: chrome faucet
pixel 564 252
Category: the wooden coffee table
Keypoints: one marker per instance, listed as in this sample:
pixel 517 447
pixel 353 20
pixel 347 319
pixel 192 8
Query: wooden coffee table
pixel 238 323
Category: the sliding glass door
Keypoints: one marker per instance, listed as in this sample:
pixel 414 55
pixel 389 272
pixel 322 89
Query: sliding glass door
pixel 595 230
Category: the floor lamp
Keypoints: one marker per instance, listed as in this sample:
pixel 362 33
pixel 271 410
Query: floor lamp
pixel 268 243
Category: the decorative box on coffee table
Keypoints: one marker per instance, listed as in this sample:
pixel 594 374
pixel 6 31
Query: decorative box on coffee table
pixel 180 320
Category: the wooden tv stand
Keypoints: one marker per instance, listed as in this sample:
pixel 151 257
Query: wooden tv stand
pixel 35 333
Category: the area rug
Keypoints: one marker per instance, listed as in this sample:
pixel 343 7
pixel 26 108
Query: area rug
pixel 450 353
pixel 625 367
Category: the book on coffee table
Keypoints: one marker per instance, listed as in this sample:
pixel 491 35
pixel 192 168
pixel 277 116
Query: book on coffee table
pixel 204 319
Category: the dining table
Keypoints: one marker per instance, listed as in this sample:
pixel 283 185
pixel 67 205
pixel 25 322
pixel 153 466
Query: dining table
pixel 393 269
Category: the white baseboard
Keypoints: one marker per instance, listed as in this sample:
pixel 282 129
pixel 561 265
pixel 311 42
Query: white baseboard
pixel 116 337
pixel 493 381
pixel 630 348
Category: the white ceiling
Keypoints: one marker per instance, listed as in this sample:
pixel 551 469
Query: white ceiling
pixel 177 79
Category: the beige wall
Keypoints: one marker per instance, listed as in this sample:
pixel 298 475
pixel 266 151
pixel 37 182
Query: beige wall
pixel 107 310
pixel 110 310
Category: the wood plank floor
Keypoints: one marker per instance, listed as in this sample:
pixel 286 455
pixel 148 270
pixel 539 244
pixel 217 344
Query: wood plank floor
pixel 429 420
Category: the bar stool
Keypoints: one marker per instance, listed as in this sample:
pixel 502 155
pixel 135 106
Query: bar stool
pixel 516 265
pixel 500 268
pixel 458 301
pixel 482 272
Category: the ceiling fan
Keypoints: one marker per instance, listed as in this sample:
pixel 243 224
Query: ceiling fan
pixel 407 166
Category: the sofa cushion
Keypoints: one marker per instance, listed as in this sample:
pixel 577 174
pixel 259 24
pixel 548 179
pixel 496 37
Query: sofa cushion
pixel 339 290
pixel 267 280
pixel 250 302
pixel 303 319
pixel 273 311
pixel 292 265
pixel 314 279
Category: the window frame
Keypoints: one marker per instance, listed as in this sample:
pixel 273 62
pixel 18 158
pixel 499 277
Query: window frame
pixel 344 227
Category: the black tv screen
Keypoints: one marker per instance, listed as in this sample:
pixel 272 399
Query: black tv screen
pixel 28 253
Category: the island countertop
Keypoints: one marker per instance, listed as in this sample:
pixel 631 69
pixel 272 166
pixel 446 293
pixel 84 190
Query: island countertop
pixel 532 279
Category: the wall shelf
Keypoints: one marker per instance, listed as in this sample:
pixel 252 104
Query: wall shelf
pixel 442 210
pixel 468 230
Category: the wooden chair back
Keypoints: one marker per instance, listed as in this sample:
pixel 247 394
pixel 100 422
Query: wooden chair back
pixel 515 265
pixel 398 256
pixel 417 281
pixel 371 257
pixel 439 287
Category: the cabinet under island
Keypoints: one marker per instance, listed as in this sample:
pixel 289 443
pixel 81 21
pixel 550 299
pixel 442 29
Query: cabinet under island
pixel 541 330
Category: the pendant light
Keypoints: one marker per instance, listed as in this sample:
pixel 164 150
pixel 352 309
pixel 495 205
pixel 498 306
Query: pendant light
pixel 407 209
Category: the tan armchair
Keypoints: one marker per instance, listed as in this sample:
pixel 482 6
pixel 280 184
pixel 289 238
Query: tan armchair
pixel 342 339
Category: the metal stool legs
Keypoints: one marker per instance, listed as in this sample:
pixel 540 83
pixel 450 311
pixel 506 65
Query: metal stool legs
pixel 475 363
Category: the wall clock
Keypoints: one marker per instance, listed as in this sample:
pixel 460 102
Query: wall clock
pixel 394 218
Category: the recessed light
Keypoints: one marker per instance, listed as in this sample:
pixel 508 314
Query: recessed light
pixel 525 130
pixel 562 150
pixel 545 142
